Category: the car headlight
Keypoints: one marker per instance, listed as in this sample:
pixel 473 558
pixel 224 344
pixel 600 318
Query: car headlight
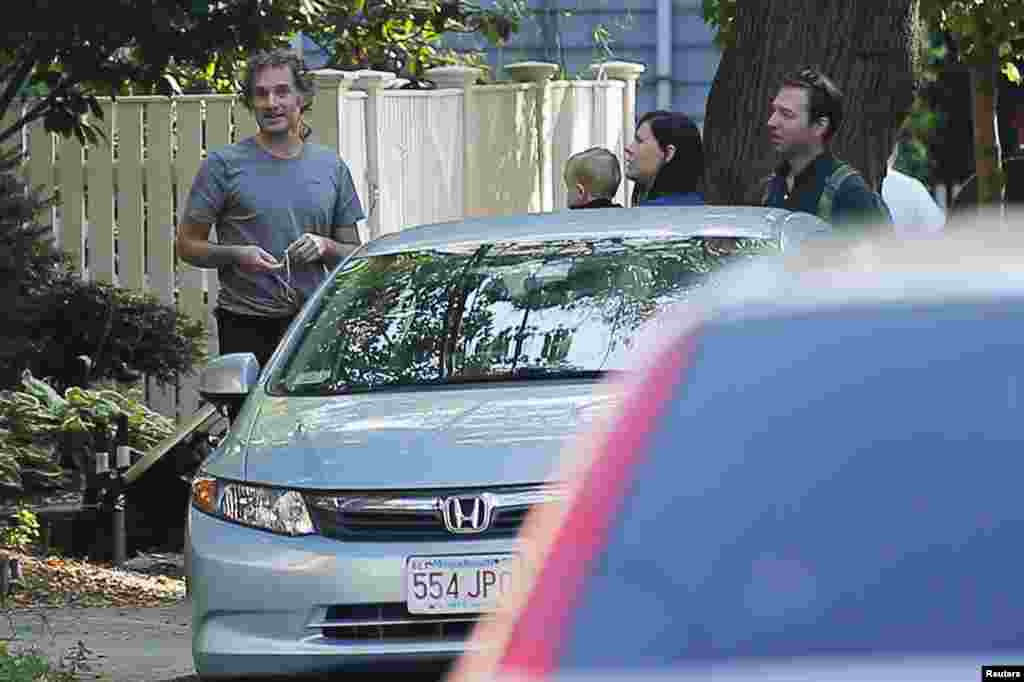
pixel 274 509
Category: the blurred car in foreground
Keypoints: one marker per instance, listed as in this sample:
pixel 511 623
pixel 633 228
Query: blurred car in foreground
pixel 365 505
pixel 816 477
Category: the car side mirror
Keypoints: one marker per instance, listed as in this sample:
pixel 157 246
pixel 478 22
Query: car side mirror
pixel 227 380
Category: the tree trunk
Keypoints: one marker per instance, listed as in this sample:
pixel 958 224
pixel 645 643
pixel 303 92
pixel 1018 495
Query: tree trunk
pixel 867 48
pixel 988 163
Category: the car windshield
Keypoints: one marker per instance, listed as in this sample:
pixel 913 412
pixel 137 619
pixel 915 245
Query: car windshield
pixel 477 312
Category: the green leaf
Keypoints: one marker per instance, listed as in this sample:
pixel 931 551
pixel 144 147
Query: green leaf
pixel 172 81
pixel 94 107
pixel 1012 73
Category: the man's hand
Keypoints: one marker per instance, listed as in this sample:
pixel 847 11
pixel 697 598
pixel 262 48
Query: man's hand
pixel 308 248
pixel 255 259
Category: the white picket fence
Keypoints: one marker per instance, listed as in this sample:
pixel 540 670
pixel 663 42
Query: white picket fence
pixel 417 156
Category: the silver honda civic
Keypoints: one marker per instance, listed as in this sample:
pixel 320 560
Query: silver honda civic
pixel 364 506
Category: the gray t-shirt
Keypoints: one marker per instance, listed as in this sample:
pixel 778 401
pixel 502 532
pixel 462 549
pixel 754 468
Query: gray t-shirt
pixel 255 198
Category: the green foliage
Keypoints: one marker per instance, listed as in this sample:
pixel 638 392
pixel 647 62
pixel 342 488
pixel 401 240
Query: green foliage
pixel 983 30
pixel 721 15
pixel 920 131
pixel 52 316
pixel 912 159
pixel 976 24
pixel 35 420
pixel 61 57
pixel 23 667
pixel 403 36
pixel 220 75
pixel 604 37
pixel 111 325
pixel 33 666
pixel 988 36
pixel 65 54
pixel 28 260
pixel 23 532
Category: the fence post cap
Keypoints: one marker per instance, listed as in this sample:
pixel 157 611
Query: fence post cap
pixel 620 71
pixel 368 79
pixel 454 76
pixel 327 77
pixel 529 72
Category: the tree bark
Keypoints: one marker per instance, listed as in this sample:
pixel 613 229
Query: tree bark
pixel 988 161
pixel 867 47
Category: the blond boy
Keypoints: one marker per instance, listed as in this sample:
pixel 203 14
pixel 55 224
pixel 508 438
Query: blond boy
pixel 592 179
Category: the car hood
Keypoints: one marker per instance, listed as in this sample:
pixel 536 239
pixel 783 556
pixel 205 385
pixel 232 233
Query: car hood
pixel 487 434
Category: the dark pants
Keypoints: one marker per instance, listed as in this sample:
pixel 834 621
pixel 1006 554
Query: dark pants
pixel 250 334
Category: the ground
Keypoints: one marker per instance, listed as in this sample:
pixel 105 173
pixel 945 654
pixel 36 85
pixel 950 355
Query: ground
pixel 144 581
pixel 148 644
pixel 129 624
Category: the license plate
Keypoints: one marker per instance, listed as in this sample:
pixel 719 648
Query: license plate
pixel 469 583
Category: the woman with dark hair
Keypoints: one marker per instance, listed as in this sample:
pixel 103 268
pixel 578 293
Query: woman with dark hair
pixel 665 160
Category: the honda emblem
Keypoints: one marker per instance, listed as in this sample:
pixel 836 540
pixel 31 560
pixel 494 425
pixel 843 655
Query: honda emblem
pixel 467 514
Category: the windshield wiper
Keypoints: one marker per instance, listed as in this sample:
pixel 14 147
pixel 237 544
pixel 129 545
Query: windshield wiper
pixel 556 373
pixel 523 373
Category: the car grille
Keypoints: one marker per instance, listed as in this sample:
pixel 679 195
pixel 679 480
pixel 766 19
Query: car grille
pixel 392 622
pixel 418 516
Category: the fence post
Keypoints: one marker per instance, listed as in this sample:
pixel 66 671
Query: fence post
pixel 372 83
pixel 539 73
pixel 628 73
pixel 463 78
pixel 331 85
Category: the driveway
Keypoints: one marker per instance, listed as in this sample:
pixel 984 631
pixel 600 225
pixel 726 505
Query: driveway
pixel 126 644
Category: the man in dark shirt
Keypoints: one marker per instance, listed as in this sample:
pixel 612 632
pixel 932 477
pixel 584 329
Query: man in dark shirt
pixel 805 115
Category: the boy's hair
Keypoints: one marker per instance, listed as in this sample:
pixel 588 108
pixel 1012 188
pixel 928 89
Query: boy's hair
pixel 597 169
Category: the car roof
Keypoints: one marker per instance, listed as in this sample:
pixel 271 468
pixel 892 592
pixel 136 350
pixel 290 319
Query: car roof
pixel 979 260
pixel 869 511
pixel 655 221
pixel 909 666
pixel 853 478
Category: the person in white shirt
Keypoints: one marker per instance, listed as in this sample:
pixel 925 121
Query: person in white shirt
pixel 914 211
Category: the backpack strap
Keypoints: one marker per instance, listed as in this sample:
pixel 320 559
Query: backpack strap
pixel 767 185
pixel 832 185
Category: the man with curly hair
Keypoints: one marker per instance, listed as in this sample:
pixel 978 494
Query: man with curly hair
pixel 285 211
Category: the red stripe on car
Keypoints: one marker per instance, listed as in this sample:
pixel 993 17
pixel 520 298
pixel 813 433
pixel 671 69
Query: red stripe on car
pixel 538 632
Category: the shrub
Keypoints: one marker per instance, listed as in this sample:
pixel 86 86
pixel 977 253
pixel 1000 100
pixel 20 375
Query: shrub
pixel 32 665
pixel 22 531
pixel 28 262
pixel 52 317
pixel 116 328
pixel 35 421
pixel 24 666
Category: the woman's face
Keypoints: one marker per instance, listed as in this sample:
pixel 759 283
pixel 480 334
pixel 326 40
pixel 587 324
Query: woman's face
pixel 645 157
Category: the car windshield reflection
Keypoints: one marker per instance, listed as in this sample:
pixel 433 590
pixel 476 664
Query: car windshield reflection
pixel 499 311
